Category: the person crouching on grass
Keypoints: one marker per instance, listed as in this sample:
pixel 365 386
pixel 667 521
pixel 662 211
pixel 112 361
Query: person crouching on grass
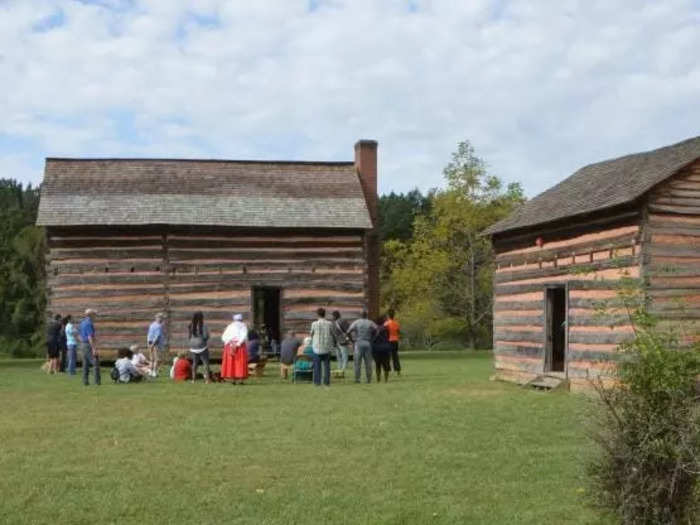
pixel 381 351
pixel 324 341
pixel 156 342
pixel 128 373
pixel 182 369
pixel 139 360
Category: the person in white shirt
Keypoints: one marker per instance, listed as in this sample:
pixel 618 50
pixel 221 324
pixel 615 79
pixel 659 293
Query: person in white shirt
pixel 234 360
pixel 128 373
pixel 139 360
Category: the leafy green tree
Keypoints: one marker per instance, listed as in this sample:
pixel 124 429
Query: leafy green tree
pixel 22 251
pixel 397 212
pixel 447 268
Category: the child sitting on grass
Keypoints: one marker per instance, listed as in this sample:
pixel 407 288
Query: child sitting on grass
pixel 182 369
pixel 306 349
pixel 127 372
pixel 139 360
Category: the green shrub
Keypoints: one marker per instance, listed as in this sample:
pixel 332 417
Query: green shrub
pixel 648 430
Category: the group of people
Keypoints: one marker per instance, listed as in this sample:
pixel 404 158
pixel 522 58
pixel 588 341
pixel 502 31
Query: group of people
pixel 65 339
pixel 371 341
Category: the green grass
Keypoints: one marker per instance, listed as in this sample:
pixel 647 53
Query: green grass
pixel 442 444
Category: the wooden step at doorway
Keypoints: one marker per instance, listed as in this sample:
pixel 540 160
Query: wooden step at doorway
pixel 549 383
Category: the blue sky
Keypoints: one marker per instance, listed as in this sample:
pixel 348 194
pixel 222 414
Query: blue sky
pixel 539 88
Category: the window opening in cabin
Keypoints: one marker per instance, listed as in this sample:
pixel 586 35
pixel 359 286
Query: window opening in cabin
pixel 555 327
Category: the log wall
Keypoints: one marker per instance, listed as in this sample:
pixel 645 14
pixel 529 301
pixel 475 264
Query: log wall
pixel 590 258
pixel 128 275
pixel 672 261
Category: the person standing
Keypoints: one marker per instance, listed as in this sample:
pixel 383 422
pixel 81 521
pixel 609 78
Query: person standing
pixel 53 343
pixel 288 351
pixel 88 344
pixel 199 345
pixel 364 331
pixel 381 350
pixel 234 361
pixel 63 346
pixel 324 341
pixel 394 332
pixel 71 344
pixel 341 333
pixel 156 342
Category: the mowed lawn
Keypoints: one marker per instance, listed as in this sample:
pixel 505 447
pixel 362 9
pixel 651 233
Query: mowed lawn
pixel 442 444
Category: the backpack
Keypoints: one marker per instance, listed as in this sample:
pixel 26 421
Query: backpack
pixel 114 374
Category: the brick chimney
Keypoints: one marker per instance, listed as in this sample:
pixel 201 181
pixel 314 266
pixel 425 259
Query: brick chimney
pixel 366 166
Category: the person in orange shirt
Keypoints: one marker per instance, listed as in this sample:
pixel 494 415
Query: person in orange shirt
pixel 394 328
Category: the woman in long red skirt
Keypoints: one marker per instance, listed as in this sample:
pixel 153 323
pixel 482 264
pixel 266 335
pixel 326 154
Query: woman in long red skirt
pixel 234 361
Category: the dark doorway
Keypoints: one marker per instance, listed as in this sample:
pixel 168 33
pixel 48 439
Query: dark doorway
pixel 555 356
pixel 266 315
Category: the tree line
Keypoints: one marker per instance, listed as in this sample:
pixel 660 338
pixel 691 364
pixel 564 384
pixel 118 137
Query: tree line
pixel 22 256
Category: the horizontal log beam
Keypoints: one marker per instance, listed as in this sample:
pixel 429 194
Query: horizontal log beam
pixel 608 337
pixel 682 210
pixel 676 201
pixel 529 337
pixel 679 193
pixel 282 279
pixel 519 305
pixel 510 241
pixel 106 253
pixel 581 269
pixel 515 350
pixel 238 244
pixel 621 241
pixel 674 250
pixel 606 320
pixel 499 321
pixel 608 284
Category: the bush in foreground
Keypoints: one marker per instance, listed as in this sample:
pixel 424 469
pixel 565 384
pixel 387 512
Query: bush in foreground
pixel 648 431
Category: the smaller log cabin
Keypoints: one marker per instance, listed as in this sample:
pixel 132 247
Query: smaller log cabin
pixel 562 255
pixel 271 240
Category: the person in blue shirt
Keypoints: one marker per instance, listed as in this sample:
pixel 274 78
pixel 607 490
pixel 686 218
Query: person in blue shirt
pixel 71 343
pixel 156 342
pixel 88 344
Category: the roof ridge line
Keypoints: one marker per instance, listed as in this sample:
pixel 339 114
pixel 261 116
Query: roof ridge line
pixel 221 161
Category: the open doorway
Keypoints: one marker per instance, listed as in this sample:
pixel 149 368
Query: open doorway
pixel 555 329
pixel 266 316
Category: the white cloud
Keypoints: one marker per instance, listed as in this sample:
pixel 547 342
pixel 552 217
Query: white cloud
pixel 540 88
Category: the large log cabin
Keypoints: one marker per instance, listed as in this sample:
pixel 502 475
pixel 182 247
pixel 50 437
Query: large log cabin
pixel 562 255
pixel 272 240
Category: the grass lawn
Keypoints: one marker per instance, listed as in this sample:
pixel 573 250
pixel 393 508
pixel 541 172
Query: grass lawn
pixel 442 444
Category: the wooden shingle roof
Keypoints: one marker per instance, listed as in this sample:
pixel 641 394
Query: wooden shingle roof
pixel 602 185
pixel 202 192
